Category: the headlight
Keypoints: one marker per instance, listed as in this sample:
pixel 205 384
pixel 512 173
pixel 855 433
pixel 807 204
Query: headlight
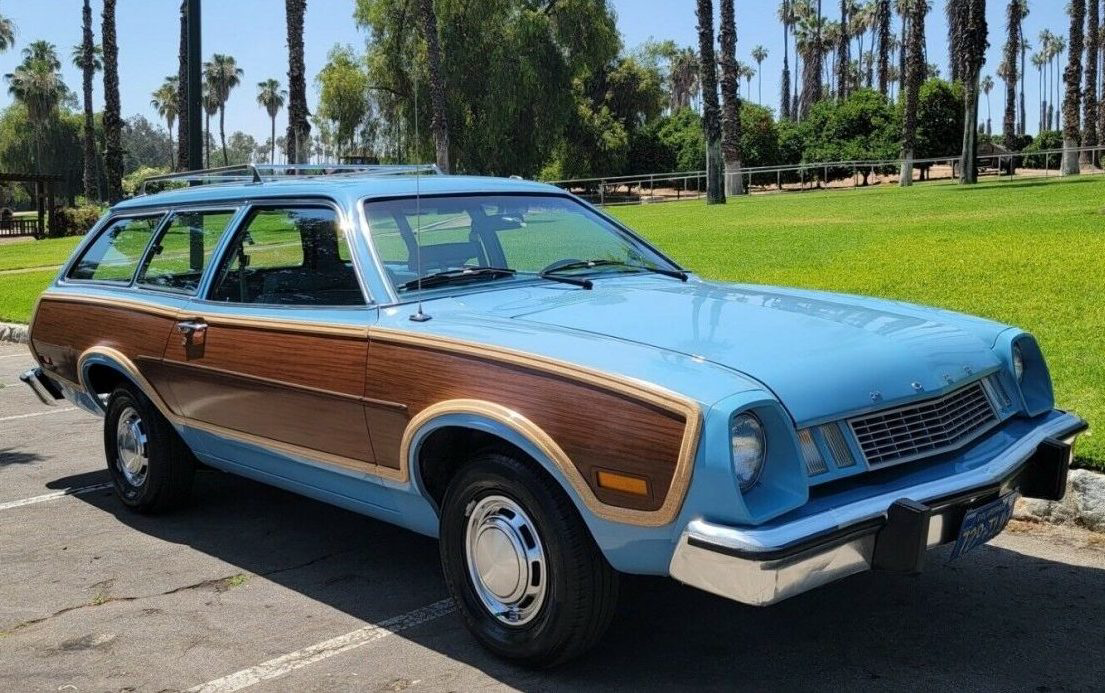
pixel 1018 362
pixel 746 435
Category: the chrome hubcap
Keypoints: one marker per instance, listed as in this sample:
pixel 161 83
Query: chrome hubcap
pixel 130 447
pixel 505 560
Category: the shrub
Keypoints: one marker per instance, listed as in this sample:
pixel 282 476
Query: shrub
pixel 76 221
pixel 1049 139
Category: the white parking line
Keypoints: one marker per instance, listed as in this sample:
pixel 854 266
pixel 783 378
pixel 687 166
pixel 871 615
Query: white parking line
pixel 12 356
pixel 52 496
pixel 285 664
pixel 37 413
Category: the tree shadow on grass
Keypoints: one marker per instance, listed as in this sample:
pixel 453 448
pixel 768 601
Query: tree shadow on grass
pixel 994 620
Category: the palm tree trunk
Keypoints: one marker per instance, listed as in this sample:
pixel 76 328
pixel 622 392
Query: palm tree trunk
pixel 207 140
pixel 731 102
pixel 1089 125
pixel 172 149
pixel 1072 134
pixel 784 97
pixel 913 75
pixel 842 59
pixel 1023 124
pixel 272 154
pixel 299 128
pixel 972 45
pixel 184 136
pixel 222 132
pixel 439 125
pixel 883 17
pixel 715 183
pixel 89 133
pixel 113 121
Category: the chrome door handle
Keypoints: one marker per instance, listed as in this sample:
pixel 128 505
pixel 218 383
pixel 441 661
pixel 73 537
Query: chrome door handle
pixel 192 332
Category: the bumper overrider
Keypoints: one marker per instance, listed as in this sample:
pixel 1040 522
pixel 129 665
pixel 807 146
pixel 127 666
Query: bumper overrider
pixel 890 532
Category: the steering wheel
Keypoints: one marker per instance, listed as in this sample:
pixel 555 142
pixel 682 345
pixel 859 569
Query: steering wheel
pixel 560 263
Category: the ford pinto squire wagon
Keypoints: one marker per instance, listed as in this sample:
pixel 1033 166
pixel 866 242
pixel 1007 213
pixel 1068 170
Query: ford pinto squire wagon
pixel 502 366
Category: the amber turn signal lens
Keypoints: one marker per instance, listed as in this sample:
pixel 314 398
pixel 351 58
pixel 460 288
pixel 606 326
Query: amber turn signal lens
pixel 623 483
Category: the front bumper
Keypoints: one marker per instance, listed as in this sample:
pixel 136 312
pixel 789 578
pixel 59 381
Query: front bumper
pixel 890 531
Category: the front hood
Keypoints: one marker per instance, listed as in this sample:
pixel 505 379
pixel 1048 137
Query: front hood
pixel 822 354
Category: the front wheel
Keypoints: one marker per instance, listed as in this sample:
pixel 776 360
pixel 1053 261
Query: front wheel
pixel 527 577
pixel 150 466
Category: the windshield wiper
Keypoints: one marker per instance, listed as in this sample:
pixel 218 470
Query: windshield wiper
pixel 461 274
pixel 586 264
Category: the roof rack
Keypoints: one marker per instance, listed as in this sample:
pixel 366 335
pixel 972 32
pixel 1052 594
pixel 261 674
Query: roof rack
pixel 260 173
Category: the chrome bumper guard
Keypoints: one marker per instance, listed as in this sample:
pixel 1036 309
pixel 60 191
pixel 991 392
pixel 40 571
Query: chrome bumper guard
pixel 44 388
pixel 891 531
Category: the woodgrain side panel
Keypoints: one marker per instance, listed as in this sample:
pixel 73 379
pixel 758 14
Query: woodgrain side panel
pixel 597 428
pixel 289 386
pixel 63 329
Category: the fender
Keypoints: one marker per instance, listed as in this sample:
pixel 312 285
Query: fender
pixel 520 431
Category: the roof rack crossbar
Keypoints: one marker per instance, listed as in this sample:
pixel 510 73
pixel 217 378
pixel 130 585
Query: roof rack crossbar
pixel 259 173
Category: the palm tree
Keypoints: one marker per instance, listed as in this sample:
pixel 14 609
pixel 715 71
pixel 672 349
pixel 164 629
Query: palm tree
pixel 759 54
pixel 439 123
pixel 299 127
pixel 223 74
pixel 1047 48
pixel 184 135
pixel 715 188
pixel 973 45
pixel 882 23
pixel 684 79
pixel 812 46
pixel 1093 49
pixel 747 72
pixel 37 84
pixel 88 57
pixel 271 97
pixel 113 120
pixel 730 93
pixel 957 12
pixel 913 47
pixel 786 18
pixel 987 86
pixel 210 107
pixel 164 101
pixel 1039 61
pixel 843 58
pixel 1059 46
pixel 1022 126
pixel 1008 70
pixel 7 34
pixel 1072 104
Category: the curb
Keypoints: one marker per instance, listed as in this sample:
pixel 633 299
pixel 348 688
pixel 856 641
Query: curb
pixel 1083 506
pixel 13 332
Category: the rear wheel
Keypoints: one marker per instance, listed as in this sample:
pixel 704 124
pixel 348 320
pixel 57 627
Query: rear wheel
pixel 527 577
pixel 150 466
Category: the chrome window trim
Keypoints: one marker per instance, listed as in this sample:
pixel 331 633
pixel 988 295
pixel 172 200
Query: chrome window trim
pixel 202 296
pixel 396 300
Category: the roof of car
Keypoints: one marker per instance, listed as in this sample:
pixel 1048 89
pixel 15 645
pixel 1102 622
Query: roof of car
pixel 345 186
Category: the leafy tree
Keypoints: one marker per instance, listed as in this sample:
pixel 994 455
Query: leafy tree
pixel 344 94
pixel 940 112
pixel 864 126
pixel 241 148
pixel 37 84
pixel 56 150
pixel 144 145
pixel 1048 140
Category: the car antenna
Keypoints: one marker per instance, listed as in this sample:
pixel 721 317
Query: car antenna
pixel 419 316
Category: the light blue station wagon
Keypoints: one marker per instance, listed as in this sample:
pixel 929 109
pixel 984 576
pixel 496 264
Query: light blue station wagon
pixel 498 364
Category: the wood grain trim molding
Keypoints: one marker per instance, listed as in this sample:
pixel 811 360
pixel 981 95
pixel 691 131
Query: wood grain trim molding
pixel 315 456
pixel 130 304
pixel 683 407
pixel 548 447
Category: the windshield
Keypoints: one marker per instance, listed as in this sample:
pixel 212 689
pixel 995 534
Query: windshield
pixel 525 234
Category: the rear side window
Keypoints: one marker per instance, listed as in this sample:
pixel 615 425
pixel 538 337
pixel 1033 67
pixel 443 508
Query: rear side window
pixel 288 256
pixel 116 252
pixel 178 258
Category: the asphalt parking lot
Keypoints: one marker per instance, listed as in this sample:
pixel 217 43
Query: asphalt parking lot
pixel 251 586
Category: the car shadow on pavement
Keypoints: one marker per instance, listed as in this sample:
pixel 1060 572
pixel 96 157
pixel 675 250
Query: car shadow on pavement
pixel 994 620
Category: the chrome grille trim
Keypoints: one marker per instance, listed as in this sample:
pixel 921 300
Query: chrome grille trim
pixel 925 428
pixel 838 446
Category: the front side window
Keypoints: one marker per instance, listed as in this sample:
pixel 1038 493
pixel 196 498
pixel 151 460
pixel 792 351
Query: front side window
pixel 116 252
pixel 178 258
pixel 288 256
pixel 527 235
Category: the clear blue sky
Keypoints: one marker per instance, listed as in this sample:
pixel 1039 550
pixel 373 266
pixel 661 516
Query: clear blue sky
pixel 253 31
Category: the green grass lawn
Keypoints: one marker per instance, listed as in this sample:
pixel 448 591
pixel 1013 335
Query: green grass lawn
pixel 1031 254
pixel 49 252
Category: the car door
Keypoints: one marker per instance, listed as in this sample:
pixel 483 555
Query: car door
pixel 274 352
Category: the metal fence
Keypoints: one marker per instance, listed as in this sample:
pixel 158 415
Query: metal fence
pixel 683 185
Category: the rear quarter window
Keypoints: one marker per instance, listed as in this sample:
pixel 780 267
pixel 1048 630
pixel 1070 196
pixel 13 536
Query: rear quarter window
pixel 116 252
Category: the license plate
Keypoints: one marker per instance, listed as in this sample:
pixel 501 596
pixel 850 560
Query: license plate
pixel 982 524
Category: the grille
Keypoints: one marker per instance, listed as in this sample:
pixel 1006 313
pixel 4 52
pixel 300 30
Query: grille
pixel 927 428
